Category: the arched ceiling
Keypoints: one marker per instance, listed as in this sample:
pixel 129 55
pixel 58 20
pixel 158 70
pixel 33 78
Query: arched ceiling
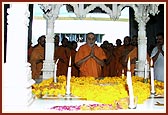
pixel 95 10
pixel 113 10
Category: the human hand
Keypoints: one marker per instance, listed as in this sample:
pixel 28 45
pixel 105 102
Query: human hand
pixel 92 52
pixel 159 48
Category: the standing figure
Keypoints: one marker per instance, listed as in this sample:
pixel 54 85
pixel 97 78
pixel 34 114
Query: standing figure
pixel 112 61
pixel 63 54
pixel 37 57
pixel 90 58
pixel 121 54
pixel 56 42
pixel 118 42
pixel 75 69
pixel 105 68
pixel 158 57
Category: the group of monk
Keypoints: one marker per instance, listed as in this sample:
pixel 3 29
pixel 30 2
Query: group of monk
pixel 117 56
pixel 63 53
pixel 106 60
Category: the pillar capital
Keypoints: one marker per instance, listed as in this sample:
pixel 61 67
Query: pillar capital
pixel 142 12
pixel 51 11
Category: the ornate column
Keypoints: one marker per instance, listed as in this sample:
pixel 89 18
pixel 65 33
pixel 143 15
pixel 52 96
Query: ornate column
pixel 17 82
pixel 51 12
pixel 142 17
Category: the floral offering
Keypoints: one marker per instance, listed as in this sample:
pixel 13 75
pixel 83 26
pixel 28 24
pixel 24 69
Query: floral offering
pixel 110 91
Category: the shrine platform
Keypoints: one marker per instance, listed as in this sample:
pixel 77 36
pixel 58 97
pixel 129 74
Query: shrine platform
pixel 151 105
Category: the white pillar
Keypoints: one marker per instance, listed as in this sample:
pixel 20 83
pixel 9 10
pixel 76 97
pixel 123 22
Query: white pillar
pixel 48 65
pixel 51 12
pixel 141 16
pixel 16 90
pixel 142 48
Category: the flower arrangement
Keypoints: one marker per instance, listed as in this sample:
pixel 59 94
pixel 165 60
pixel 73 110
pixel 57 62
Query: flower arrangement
pixel 109 90
pixel 89 107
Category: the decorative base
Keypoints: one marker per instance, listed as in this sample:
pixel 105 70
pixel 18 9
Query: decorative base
pixel 68 95
pixel 131 107
pixel 153 94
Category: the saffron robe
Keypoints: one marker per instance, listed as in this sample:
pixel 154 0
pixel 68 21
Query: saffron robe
pixel 90 67
pixel 105 69
pixel 63 54
pixel 109 70
pixel 30 49
pixel 112 65
pixel 75 69
pixel 134 55
pixel 36 60
pixel 121 54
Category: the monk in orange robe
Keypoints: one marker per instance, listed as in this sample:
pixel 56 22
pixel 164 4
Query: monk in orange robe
pixel 109 66
pixel 117 55
pixel 90 58
pixel 133 58
pixel 56 41
pixel 105 68
pixel 133 54
pixel 75 69
pixel 37 57
pixel 121 54
pixel 112 61
pixel 63 54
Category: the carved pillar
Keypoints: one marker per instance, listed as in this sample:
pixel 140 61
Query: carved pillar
pixel 48 65
pixel 142 17
pixel 142 48
pixel 17 82
pixel 51 12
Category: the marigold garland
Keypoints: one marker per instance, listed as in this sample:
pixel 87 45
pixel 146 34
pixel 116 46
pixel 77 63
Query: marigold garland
pixel 109 90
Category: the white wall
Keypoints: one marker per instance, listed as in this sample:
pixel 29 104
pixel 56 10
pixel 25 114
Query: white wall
pixel 112 29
